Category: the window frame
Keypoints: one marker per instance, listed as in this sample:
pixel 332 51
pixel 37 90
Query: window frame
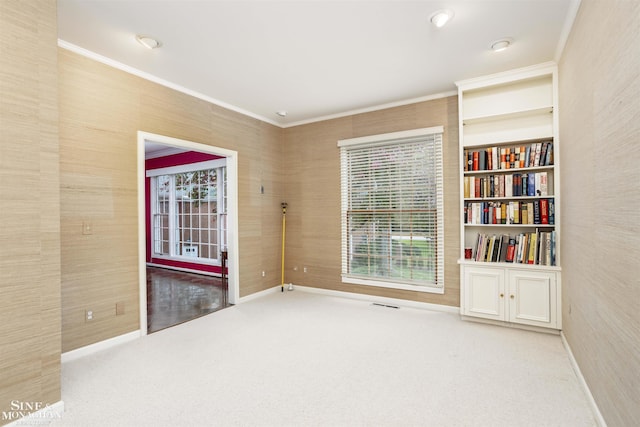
pixel 173 230
pixel 386 140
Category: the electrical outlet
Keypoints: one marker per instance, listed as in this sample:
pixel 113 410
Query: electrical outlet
pixel 89 315
pixel 87 228
pixel 295 268
pixel 304 269
pixel 264 273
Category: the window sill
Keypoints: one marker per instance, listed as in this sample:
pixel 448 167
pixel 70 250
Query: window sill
pixel 392 285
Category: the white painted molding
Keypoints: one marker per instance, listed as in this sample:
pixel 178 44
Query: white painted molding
pixel 259 294
pixel 574 5
pixel 576 368
pixel 147 76
pixel 99 346
pixel 370 109
pixel 42 417
pixel 382 300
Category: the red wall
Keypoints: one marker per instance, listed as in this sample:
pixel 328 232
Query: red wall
pixel 165 162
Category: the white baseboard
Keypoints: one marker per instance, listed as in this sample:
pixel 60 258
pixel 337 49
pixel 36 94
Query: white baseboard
pixel 259 294
pixel 382 300
pixel 42 417
pixel 99 346
pixel 576 368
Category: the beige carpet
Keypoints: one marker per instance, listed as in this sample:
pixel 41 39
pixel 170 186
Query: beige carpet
pixel 303 359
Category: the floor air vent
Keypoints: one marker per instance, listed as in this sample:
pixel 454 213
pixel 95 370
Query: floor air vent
pixel 385 305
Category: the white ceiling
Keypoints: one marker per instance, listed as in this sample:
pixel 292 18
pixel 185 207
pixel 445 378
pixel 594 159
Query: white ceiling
pixel 314 59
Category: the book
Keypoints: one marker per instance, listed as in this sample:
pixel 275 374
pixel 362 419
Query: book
pixel 511 250
pixel 495 256
pixel 552 211
pixel 532 256
pixel 530 213
pixel 503 158
pixel 542 187
pixel 492 186
pixel 476 160
pixel 531 184
pixel 549 157
pixel 524 213
pixel 533 155
pixel 544 211
pixel 485 213
pixel 508 186
pixel 543 153
pixel 536 212
pixel 467 192
pixel 536 161
pixel 504 244
pixel 517 184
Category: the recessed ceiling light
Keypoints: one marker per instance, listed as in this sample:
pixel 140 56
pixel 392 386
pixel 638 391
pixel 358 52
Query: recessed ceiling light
pixel 500 45
pixel 441 17
pixel 281 113
pixel 148 42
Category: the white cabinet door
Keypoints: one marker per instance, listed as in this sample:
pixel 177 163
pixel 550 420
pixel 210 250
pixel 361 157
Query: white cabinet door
pixel 483 292
pixel 532 298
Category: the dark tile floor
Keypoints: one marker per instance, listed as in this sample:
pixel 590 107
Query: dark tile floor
pixel 174 297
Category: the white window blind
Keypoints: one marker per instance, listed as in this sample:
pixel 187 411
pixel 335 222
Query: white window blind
pixel 392 210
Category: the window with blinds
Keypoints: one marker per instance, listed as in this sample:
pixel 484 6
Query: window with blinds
pixel 392 210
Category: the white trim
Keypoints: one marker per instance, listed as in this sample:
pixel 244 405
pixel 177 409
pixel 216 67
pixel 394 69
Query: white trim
pixel 42 417
pixel 531 72
pixel 574 5
pixel 585 387
pixel 186 270
pixel 232 214
pixel 371 109
pixel 383 300
pixel 169 151
pixel 393 285
pixel 190 167
pixel 384 137
pixel 147 76
pixel 259 294
pixel 72 355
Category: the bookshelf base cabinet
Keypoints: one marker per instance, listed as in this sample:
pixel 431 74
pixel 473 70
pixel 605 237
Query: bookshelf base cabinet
pixel 511 294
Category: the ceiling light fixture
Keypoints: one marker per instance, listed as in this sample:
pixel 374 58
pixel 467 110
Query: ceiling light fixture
pixel 281 113
pixel 500 45
pixel 441 17
pixel 148 42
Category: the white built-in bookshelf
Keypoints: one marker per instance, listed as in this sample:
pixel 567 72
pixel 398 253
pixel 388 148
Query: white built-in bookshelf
pixel 509 197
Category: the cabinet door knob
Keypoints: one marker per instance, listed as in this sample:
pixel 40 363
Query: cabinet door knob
pixel 501 295
pixel 512 297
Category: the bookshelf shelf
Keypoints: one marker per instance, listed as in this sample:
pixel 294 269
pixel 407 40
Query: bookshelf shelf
pixel 489 199
pixel 511 225
pixel 509 270
pixel 514 115
pixel 506 171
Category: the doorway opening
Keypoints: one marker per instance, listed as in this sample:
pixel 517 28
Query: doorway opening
pixel 188 230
